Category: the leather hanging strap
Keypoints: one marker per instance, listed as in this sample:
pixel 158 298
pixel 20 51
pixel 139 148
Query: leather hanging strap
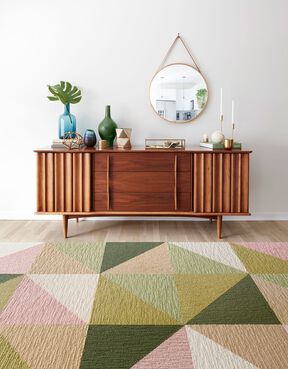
pixel 178 37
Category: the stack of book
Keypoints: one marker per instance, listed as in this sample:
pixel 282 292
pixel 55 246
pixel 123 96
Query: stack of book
pixel 57 143
pixel 215 146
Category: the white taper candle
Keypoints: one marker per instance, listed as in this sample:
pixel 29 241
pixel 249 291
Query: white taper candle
pixel 221 102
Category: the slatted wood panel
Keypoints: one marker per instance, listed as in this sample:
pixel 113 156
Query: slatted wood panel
pixel 221 182
pixel 64 182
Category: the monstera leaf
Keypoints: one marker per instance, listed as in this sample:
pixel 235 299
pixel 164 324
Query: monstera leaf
pixel 65 93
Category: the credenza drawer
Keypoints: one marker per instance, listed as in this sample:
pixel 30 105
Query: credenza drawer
pixel 142 182
pixel 141 162
pixel 141 202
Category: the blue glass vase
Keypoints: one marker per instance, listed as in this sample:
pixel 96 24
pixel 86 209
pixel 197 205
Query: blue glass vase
pixel 67 122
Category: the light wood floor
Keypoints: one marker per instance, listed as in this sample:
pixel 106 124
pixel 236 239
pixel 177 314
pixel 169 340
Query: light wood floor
pixel 104 230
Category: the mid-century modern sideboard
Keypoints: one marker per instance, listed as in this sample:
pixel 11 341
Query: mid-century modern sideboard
pixel 195 182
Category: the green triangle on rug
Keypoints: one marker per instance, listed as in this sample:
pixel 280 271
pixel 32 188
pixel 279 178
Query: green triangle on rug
pixel 114 347
pixel 9 358
pixel 89 254
pixel 196 292
pixel 116 305
pixel 259 263
pixel 157 290
pixel 241 304
pixel 8 284
pixel 188 262
pixel 118 252
pixel 7 277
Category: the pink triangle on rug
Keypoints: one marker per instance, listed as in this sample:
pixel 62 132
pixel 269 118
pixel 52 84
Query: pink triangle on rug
pixel 174 353
pixel 30 304
pixel 20 262
pixel 276 249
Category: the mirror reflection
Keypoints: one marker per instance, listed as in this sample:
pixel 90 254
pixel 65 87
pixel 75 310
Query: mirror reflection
pixel 178 93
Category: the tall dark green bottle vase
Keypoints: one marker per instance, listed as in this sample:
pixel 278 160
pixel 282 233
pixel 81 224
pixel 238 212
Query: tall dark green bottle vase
pixel 107 128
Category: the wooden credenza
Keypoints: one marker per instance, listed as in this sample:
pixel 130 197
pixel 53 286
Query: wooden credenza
pixel 193 182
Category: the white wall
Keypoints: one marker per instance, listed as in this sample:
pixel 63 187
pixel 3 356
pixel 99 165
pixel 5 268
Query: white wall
pixel 111 49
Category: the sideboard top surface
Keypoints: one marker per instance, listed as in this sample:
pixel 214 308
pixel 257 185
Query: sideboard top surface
pixel 189 149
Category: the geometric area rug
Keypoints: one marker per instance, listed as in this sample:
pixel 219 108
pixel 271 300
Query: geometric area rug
pixel 143 305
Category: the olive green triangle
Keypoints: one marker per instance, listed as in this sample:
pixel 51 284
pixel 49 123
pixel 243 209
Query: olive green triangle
pixel 157 290
pixel 257 262
pixel 196 292
pixel 118 252
pixel 279 279
pixel 89 254
pixel 116 305
pixel 115 347
pixel 9 358
pixel 242 304
pixel 7 289
pixel 188 262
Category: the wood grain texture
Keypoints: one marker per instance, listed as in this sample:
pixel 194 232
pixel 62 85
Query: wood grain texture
pixel 148 161
pixel 208 164
pixel 245 183
pixel 175 181
pixel 64 182
pixel 68 182
pixel 223 180
pixel 108 181
pixel 41 182
pixel 87 182
pixel 142 182
pixel 198 183
pixel 50 182
pixel 141 230
pixel 226 183
pixel 59 172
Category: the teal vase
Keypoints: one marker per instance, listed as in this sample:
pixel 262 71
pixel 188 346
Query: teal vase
pixel 67 122
pixel 107 128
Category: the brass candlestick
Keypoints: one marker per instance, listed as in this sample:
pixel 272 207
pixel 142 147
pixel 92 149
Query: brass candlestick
pixel 221 123
pixel 103 144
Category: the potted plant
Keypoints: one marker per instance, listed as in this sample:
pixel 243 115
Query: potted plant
pixel 67 94
pixel 201 96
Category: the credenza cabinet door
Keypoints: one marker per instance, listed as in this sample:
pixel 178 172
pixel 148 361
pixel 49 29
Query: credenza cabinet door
pixel 220 182
pixel 142 182
pixel 64 182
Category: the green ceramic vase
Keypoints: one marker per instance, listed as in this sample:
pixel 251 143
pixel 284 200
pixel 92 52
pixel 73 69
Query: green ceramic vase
pixel 107 128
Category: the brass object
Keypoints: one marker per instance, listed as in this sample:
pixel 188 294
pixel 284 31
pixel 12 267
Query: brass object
pixel 165 143
pixel 228 143
pixel 199 75
pixel 103 144
pixel 73 140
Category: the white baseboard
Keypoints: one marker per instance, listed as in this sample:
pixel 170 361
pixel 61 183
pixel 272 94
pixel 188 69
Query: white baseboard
pixel 9 215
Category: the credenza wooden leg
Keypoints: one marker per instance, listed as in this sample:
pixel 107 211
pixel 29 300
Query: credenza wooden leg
pixel 65 225
pixel 77 220
pixel 219 226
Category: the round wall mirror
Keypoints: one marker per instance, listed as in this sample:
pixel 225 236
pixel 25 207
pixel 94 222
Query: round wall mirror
pixel 178 93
